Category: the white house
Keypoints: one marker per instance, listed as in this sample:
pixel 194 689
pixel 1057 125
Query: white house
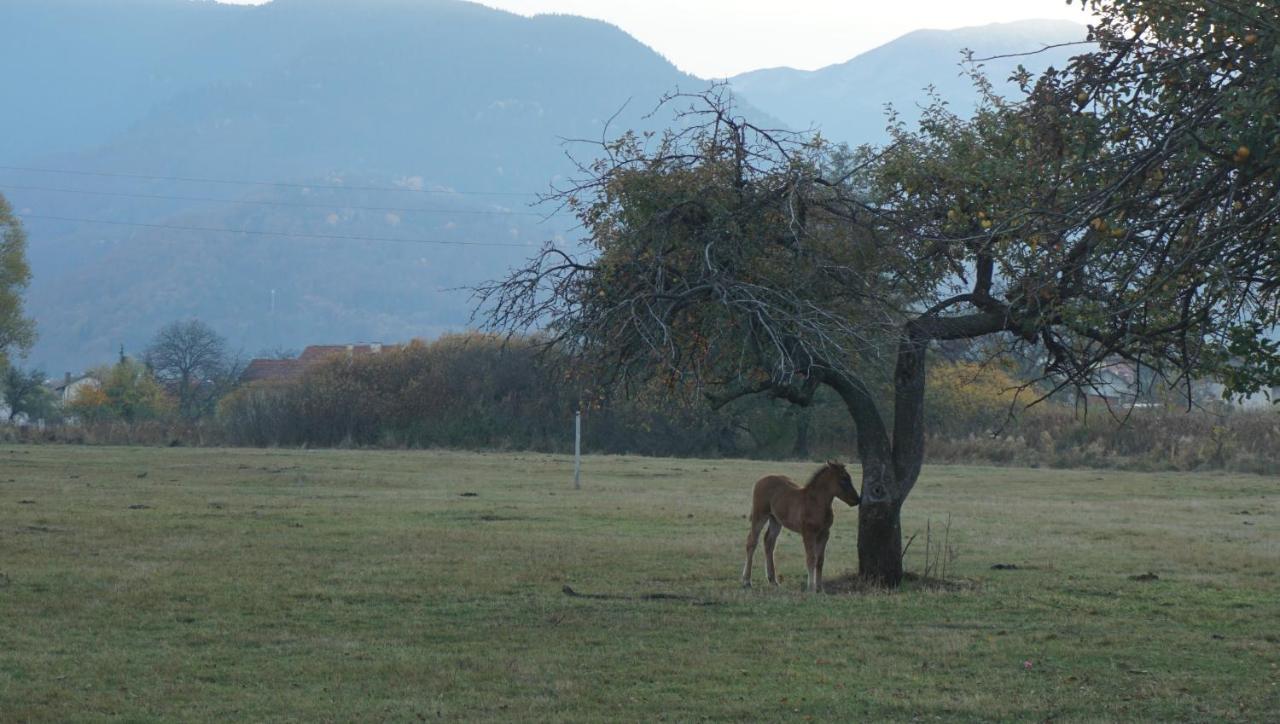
pixel 71 386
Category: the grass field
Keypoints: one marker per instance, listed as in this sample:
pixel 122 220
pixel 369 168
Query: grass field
pixel 179 584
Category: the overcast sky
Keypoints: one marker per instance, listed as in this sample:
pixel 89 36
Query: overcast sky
pixel 716 38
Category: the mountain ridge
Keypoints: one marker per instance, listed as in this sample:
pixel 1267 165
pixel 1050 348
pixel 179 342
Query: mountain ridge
pixel 323 94
pixel 846 100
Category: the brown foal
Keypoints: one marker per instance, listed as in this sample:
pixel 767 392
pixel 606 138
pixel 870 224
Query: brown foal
pixel 779 502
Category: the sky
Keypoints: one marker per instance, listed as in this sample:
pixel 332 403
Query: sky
pixel 718 38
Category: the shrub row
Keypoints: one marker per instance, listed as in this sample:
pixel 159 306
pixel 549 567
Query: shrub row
pixel 478 392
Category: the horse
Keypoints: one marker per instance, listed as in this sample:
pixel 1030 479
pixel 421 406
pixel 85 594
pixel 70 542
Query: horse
pixel 779 502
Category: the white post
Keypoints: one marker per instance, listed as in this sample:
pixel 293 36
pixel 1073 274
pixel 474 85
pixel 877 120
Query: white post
pixel 577 450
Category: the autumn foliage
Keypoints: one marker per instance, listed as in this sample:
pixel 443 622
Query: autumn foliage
pixel 127 392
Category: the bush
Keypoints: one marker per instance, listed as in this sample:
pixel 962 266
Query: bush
pixel 461 391
pixel 965 398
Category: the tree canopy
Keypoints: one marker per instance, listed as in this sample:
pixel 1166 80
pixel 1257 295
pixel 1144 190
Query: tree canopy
pixel 1125 207
pixel 1122 208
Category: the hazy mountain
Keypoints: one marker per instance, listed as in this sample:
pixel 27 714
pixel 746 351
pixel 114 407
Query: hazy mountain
pixel 429 95
pixel 847 101
pixel 427 124
pixel 312 85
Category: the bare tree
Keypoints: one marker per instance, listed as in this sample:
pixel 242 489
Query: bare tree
pixel 191 360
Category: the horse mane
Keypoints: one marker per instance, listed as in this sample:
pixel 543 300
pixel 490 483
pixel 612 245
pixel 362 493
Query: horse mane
pixel 828 465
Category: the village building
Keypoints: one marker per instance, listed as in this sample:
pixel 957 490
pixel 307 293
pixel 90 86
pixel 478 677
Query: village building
pixel 71 386
pixel 270 371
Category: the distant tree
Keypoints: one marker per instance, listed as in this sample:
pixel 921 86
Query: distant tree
pixel 191 360
pixel 90 404
pixel 127 392
pixel 26 394
pixel 800 446
pixel 17 332
pixel 1126 206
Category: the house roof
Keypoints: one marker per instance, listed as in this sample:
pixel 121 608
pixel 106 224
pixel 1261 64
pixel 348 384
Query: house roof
pixel 272 370
pixel 319 352
pixel 62 386
pixel 287 370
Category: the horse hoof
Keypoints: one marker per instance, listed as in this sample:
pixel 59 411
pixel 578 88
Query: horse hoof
pixel 746 584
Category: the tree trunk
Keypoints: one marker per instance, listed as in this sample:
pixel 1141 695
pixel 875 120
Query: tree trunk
pixel 887 480
pixel 879 529
pixel 880 543
pixel 801 448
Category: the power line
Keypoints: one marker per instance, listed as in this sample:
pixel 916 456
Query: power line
pixel 280 184
pixel 329 237
pixel 271 203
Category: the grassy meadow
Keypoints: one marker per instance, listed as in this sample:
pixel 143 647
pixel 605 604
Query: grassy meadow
pixel 150 584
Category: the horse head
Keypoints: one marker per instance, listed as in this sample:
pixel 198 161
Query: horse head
pixel 844 483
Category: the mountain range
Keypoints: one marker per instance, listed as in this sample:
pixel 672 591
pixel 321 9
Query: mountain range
pixel 312 171
pixel 846 101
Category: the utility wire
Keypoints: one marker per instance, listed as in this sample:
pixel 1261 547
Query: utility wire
pixel 272 203
pixel 280 184
pixel 330 237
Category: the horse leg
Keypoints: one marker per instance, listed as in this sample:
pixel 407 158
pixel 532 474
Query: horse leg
pixel 810 558
pixel 756 524
pixel 820 550
pixel 770 543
